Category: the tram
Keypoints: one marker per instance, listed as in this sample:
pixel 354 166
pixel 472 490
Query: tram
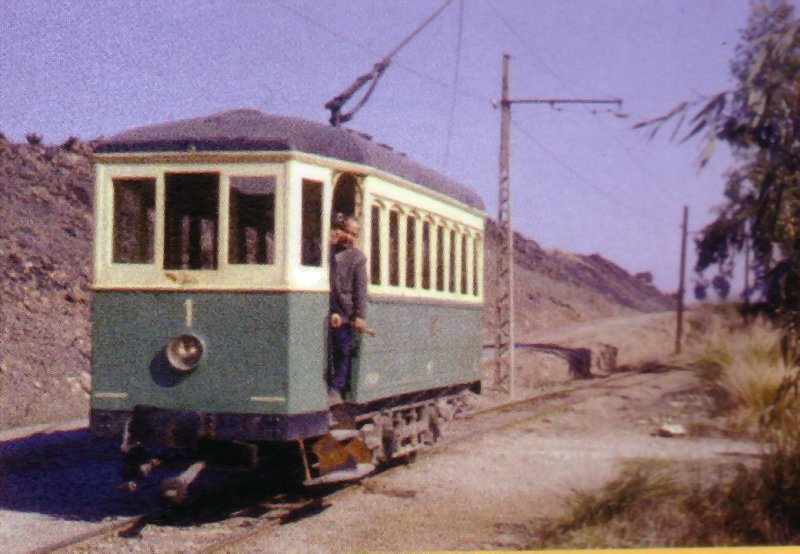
pixel 211 287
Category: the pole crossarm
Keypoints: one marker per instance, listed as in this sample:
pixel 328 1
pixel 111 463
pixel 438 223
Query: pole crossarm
pixel 617 101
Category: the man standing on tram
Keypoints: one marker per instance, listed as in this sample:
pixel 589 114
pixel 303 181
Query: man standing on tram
pixel 348 301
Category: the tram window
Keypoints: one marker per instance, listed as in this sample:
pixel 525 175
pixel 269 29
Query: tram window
pixel 426 255
pixel 463 264
pixel 476 248
pixel 191 220
pixel 311 253
pixel 439 258
pixel 134 221
pixel 411 250
pixel 252 220
pixel 394 248
pixel 451 268
pixel 375 247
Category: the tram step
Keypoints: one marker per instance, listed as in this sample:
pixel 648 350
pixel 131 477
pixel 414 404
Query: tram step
pixel 341 435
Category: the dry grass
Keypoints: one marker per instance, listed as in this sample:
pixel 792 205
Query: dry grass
pixel 648 505
pixel 675 504
pixel 653 504
pixel 744 363
pixel 605 518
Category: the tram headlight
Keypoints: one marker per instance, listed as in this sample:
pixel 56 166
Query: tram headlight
pixel 184 352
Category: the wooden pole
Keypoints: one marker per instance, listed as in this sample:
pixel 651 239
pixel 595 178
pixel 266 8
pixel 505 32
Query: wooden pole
pixel 681 288
pixel 747 274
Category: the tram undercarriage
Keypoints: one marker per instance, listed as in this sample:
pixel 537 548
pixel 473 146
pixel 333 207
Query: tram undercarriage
pixel 359 438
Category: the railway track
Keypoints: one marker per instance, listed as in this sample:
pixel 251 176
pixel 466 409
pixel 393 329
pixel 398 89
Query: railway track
pixel 214 523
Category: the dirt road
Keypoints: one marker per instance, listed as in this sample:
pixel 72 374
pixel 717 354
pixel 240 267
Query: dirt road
pixel 487 493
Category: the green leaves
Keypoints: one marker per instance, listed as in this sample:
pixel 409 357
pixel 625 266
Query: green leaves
pixel 759 119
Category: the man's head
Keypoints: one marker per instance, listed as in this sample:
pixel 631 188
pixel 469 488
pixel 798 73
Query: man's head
pixel 344 230
pixel 349 233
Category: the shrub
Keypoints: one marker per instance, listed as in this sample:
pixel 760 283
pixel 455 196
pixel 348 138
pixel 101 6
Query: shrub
pixel 746 363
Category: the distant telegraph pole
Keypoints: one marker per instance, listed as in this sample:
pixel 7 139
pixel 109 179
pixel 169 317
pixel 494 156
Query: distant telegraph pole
pixel 505 369
pixel 747 274
pixel 681 286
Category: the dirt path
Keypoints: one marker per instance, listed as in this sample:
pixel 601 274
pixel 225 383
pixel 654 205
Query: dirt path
pixel 485 494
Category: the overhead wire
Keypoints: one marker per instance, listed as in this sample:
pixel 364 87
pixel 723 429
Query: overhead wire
pixel 575 173
pixel 424 76
pixel 644 170
pixel 664 192
pixel 532 51
pixel 461 90
pixel 454 97
pixel 544 66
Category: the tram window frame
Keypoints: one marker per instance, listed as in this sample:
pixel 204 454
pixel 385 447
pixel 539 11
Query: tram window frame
pixel 463 264
pixel 375 244
pixel 394 248
pixel 191 220
pixel 425 255
pixel 311 230
pixel 411 251
pixel 133 229
pixel 476 260
pixel 451 261
pixel 252 243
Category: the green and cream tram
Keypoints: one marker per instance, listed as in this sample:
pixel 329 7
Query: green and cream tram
pixel 211 283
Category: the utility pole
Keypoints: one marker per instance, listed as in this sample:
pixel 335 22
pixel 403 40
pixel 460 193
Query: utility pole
pixel 681 287
pixel 747 274
pixel 505 369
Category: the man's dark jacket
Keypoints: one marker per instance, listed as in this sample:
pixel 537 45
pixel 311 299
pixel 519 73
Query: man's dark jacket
pixel 348 283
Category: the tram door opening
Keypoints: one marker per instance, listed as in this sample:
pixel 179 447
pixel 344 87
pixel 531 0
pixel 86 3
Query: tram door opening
pixel 347 196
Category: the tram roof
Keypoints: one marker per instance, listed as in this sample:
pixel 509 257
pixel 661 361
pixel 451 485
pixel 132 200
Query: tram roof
pixel 252 130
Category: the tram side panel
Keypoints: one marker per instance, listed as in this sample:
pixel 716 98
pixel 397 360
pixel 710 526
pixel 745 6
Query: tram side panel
pixel 417 346
pixel 307 351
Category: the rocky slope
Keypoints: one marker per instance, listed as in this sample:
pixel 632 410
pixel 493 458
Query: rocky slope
pixel 45 267
pixel 45 256
pixel 554 288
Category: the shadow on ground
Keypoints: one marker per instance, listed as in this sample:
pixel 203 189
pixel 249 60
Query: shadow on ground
pixel 66 474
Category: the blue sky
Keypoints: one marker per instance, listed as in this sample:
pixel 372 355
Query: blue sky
pixel 582 181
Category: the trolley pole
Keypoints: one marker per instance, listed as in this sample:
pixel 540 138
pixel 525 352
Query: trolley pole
pixel 681 285
pixel 505 369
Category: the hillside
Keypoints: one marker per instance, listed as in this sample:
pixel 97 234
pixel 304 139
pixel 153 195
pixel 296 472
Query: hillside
pixel 45 265
pixel 554 288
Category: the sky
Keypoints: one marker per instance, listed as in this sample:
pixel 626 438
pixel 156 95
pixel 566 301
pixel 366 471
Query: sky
pixel 582 179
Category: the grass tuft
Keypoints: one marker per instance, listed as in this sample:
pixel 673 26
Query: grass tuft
pixel 642 486
pixel 745 364
pixel 611 516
